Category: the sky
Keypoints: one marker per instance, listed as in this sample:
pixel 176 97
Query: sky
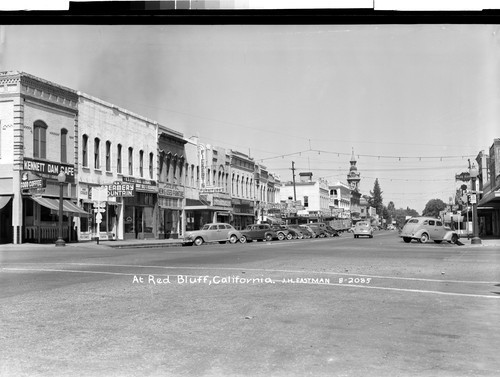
pixel 413 102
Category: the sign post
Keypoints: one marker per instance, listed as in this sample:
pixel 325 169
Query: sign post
pixel 99 197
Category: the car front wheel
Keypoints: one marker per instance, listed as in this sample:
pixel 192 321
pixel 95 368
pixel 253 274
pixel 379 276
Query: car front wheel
pixel 243 239
pixel 289 236
pixel 198 241
pixel 407 239
pixel 281 237
pixel 233 239
pixel 454 238
pixel 269 237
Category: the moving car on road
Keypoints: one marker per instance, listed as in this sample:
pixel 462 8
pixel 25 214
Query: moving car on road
pixel 424 229
pixel 214 232
pixel 362 228
pixel 258 232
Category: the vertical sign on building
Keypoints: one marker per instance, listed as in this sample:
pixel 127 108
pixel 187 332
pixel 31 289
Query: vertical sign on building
pixel 202 152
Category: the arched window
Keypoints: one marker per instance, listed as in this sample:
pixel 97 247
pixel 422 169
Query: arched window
pixel 119 158
pixel 97 162
pixel 85 151
pixel 40 139
pixel 141 163
pixel 130 161
pixel 64 145
pixel 108 155
pixel 151 158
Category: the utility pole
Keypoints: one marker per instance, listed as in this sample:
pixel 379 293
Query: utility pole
pixel 293 175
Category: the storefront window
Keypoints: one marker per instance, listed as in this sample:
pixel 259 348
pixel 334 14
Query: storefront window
pixel 86 222
pixel 129 219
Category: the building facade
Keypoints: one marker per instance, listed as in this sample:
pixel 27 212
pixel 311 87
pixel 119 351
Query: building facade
pixel 488 182
pixel 38 141
pixel 340 200
pixel 209 195
pixel 242 189
pixel 117 163
pixel 312 196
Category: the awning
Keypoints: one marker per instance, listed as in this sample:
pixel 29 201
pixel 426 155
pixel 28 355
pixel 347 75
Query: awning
pixel 67 206
pixel 4 200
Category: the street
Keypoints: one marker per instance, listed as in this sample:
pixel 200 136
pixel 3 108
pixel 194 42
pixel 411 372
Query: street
pixel 321 307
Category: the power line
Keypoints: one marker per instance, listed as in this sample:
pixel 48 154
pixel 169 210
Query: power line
pixel 397 157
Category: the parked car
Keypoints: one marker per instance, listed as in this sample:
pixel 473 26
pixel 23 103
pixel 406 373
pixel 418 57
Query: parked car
pixel 318 230
pixel 300 233
pixel 333 232
pixel 213 232
pixel 258 232
pixel 312 233
pixel 294 231
pixel 330 232
pixel 424 229
pixel 363 228
pixel 282 232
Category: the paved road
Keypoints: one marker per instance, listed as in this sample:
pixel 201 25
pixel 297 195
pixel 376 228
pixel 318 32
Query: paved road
pixel 325 307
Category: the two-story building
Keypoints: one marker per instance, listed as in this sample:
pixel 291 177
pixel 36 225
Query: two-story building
pixel 488 182
pixel 340 200
pixel 38 141
pixel 242 189
pixel 312 196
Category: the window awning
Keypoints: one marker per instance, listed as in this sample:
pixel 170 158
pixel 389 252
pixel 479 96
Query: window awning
pixel 67 206
pixel 4 200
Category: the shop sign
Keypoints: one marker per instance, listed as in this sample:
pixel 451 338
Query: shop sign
pixel 48 169
pixel 221 202
pixel 120 189
pixel 170 190
pixel 245 210
pixel 32 184
pixel 203 166
pixel 143 185
pixel 99 194
pixel 84 193
pixel 212 190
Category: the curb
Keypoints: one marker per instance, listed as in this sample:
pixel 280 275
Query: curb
pixel 144 246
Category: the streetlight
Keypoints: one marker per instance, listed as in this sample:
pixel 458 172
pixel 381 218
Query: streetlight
pixel 61 178
pixel 475 234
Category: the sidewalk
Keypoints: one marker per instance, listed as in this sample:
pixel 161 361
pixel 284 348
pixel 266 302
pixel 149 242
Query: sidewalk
pixel 489 242
pixel 131 243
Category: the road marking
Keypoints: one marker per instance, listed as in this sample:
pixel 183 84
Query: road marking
pixel 275 280
pixel 283 271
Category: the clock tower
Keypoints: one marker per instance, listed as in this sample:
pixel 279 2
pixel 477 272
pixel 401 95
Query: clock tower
pixel 353 177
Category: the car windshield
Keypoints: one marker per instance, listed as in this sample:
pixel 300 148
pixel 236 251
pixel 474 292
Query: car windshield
pixel 205 227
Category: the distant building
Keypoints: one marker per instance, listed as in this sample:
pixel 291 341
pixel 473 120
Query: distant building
pixel 312 196
pixel 340 200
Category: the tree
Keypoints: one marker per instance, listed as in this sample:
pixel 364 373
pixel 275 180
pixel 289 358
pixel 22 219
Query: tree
pixel 433 207
pixel 377 200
